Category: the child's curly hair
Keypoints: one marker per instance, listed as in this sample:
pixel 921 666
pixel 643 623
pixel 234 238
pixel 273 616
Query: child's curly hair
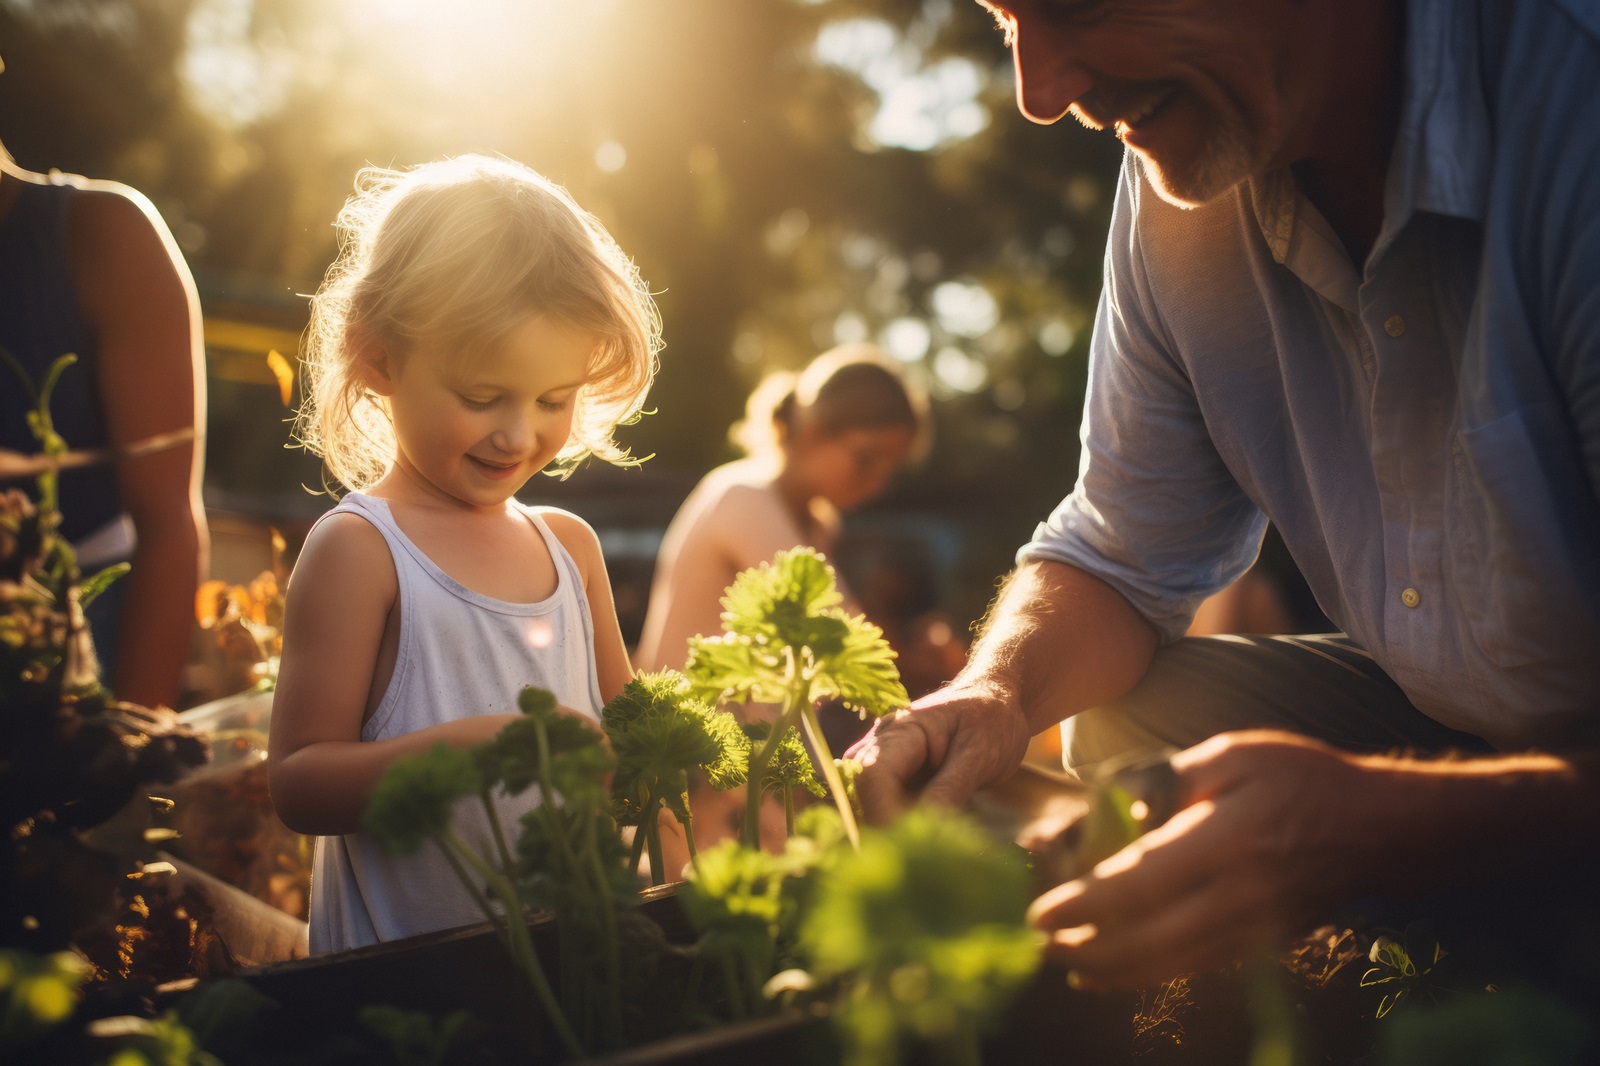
pixel 459 252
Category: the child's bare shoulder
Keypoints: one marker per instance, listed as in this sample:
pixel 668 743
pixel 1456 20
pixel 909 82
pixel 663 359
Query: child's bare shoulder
pixel 345 551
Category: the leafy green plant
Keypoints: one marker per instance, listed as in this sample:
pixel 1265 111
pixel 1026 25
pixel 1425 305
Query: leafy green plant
pixel 923 932
pixel 569 858
pixel 661 733
pixel 903 948
pixel 787 641
pixel 747 904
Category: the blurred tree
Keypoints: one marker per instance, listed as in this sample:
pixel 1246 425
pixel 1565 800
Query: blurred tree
pixel 788 174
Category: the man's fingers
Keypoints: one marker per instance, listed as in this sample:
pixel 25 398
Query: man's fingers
pixel 891 756
pixel 1199 931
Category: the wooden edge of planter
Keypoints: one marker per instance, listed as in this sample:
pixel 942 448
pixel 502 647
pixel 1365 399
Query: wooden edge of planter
pixel 734 1044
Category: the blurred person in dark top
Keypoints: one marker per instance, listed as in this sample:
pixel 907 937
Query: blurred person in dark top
pixel 88 267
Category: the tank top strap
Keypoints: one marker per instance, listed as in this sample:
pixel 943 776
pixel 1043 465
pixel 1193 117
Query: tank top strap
pixel 566 565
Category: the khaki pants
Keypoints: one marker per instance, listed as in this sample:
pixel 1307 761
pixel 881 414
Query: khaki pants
pixel 1318 686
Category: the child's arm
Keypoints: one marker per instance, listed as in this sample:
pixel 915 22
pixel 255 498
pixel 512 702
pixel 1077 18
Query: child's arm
pixel 337 610
pixel 610 652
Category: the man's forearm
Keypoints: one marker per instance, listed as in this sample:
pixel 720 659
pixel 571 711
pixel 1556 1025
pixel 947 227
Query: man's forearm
pixel 1495 818
pixel 1061 641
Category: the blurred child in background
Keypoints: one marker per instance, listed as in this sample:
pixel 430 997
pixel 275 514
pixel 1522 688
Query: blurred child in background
pixel 477 328
pixel 818 444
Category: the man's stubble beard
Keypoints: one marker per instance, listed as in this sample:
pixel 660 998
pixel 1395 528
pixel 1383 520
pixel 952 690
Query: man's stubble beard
pixel 1228 158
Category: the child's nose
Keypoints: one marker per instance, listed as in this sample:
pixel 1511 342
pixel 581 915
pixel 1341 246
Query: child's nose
pixel 516 432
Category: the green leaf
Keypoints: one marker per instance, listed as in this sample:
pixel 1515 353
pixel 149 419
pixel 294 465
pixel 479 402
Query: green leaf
pixel 736 667
pixel 94 586
pixel 415 798
pixel 778 600
pixel 925 928
pixel 790 764
pixel 860 671
pixel 787 611
pixel 660 730
pixel 735 899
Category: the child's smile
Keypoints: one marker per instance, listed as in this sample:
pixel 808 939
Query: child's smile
pixel 495 471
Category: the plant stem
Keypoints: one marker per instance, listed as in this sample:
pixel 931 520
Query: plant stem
pixel 547 795
pixel 638 848
pixel 688 838
pixel 608 923
pixel 496 831
pixel 447 844
pixel 652 840
pixel 521 944
pixel 830 773
pixel 788 808
pixel 757 773
pixel 688 823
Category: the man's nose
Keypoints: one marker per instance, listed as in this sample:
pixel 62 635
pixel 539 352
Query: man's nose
pixel 1049 80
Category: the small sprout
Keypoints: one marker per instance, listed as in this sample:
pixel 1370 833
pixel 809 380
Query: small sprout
pixel 1396 966
pixel 661 734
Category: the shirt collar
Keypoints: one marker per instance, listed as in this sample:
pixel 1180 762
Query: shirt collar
pixel 1441 155
pixel 1440 162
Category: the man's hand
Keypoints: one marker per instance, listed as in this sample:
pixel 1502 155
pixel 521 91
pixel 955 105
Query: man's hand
pixel 1270 839
pixel 1056 641
pixel 947 746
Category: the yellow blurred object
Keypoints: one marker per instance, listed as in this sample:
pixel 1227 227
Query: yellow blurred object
pixel 283 371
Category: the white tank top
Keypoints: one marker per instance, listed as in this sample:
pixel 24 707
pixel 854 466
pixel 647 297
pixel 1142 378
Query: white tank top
pixel 460 653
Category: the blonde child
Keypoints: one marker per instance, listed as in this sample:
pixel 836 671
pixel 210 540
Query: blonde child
pixel 477 328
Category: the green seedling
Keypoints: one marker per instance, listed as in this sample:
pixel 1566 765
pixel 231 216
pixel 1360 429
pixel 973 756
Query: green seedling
pixel 786 641
pixel 1401 968
pixel 568 860
pixel 661 733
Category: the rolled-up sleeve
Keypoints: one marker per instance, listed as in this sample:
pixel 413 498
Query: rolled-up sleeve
pixel 1155 514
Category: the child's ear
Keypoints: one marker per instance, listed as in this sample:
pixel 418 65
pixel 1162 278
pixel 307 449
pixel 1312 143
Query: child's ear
pixel 376 366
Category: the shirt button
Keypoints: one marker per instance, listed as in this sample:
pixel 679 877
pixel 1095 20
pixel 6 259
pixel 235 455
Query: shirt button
pixel 1394 325
pixel 1410 597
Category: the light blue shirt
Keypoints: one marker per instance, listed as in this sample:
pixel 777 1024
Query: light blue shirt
pixel 1425 433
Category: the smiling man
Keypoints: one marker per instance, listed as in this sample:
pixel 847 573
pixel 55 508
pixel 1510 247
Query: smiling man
pixel 1352 286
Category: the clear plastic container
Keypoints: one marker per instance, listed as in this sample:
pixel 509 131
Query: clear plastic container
pixel 223 812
